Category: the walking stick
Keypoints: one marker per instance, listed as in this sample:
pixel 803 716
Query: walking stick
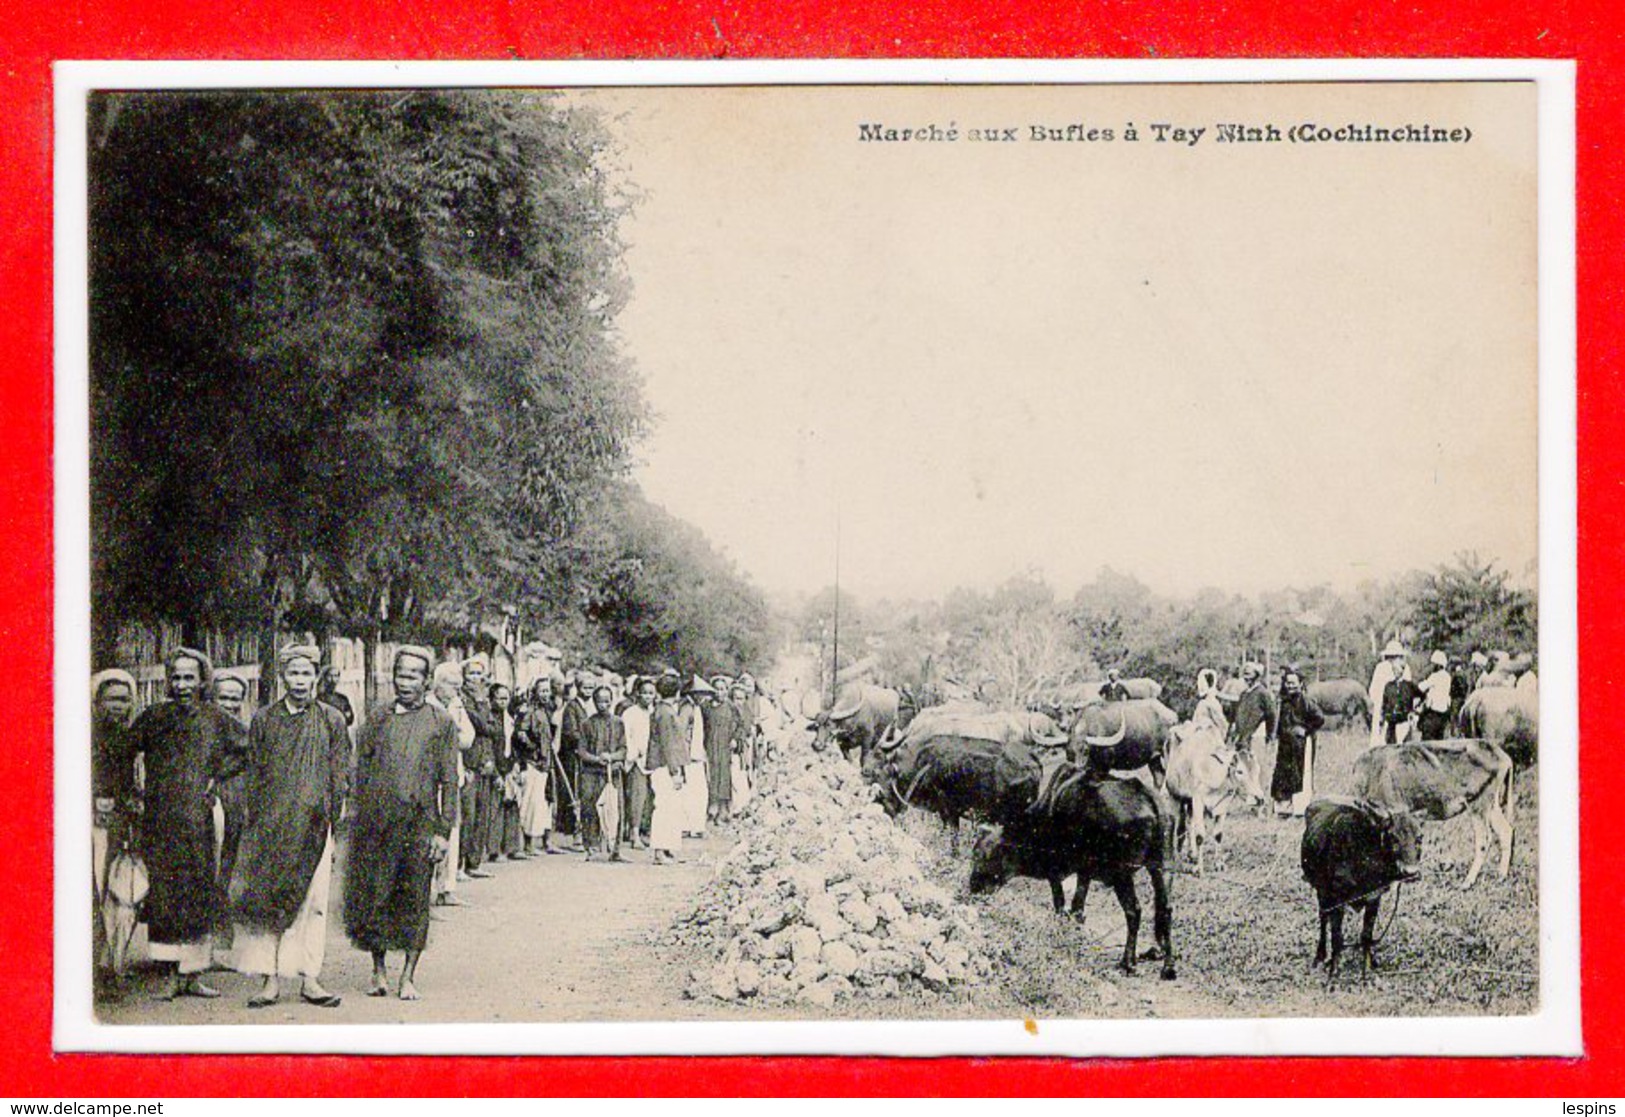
pixel 569 789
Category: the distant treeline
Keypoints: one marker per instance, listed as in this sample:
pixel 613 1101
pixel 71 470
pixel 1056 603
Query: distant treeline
pixel 1021 642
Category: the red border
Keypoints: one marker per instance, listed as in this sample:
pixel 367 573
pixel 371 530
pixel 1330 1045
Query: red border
pixel 38 33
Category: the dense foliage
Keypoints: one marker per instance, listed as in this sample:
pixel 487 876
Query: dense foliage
pixel 353 360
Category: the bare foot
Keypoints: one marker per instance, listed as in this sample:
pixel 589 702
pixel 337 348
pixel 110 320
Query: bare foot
pixel 409 992
pixel 378 988
pixel 195 987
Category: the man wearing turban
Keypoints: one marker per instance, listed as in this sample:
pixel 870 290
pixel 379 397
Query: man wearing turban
pixel 298 773
pixel 1254 711
pixel 112 779
pixel 406 805
pixel 230 692
pixel 481 797
pixel 190 747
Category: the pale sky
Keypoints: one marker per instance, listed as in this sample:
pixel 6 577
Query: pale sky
pixel 1246 366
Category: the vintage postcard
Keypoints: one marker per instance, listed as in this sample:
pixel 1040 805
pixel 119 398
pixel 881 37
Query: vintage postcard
pixel 870 558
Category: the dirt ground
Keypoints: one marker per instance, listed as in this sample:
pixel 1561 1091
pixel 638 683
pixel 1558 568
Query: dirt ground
pixel 556 939
pixel 1245 932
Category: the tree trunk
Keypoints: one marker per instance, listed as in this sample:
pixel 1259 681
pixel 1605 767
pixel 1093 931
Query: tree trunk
pixel 270 628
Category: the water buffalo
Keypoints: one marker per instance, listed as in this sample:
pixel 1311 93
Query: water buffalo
pixel 1207 778
pixel 1352 851
pixel 1013 727
pixel 862 715
pixel 953 776
pixel 1343 699
pixel 1123 736
pixel 1507 716
pixel 1440 780
pixel 1100 830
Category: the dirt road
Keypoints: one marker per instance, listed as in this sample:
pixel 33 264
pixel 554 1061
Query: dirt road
pixel 548 939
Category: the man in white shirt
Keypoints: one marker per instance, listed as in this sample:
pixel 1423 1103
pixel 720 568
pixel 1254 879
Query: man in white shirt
pixel 636 719
pixel 1434 724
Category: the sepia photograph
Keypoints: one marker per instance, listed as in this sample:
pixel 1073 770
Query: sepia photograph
pixel 975 565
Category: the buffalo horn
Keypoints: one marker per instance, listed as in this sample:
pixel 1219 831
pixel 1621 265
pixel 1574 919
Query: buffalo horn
pixel 1106 742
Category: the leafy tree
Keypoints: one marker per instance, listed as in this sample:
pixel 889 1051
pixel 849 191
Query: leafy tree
pixel 661 594
pixel 1470 603
pixel 351 348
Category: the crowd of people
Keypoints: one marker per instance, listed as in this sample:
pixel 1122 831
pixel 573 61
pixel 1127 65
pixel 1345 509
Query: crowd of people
pixel 222 829
pixel 1401 710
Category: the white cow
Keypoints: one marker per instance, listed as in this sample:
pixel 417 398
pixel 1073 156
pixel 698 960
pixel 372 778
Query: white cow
pixel 1206 777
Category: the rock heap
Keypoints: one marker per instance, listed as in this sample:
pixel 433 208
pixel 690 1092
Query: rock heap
pixel 823 897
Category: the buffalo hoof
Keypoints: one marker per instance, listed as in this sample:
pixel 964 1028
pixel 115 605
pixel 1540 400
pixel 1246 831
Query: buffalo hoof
pixel 1127 969
pixel 1168 973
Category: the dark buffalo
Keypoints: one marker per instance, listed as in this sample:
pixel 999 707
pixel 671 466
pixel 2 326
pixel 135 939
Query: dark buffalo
pixel 954 777
pixel 1100 830
pixel 1123 736
pixel 1352 851
pixel 1343 699
pixel 863 715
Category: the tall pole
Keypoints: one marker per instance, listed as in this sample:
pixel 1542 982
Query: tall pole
pixel 835 653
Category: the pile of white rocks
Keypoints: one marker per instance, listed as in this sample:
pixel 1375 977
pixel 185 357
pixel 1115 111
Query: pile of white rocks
pixel 823 897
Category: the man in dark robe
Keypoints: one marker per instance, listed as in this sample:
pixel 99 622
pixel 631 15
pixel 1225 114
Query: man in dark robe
pixel 572 724
pixel 603 749
pixel 231 695
pixel 405 796
pixel 191 747
pixel 533 743
pixel 1254 710
pixel 507 841
pixel 1292 783
pixel 720 721
pixel 298 772
pixel 1400 699
pixel 667 762
pixel 328 695
pixel 1113 689
pixel 112 789
pixel 481 798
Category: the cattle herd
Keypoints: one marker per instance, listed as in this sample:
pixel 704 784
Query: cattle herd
pixel 1105 790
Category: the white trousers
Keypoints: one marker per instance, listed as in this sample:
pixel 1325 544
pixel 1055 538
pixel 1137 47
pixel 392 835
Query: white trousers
pixel 445 870
pixel 609 815
pixel 666 825
pixel 535 816
pixel 189 957
pixel 298 951
pixel 696 797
